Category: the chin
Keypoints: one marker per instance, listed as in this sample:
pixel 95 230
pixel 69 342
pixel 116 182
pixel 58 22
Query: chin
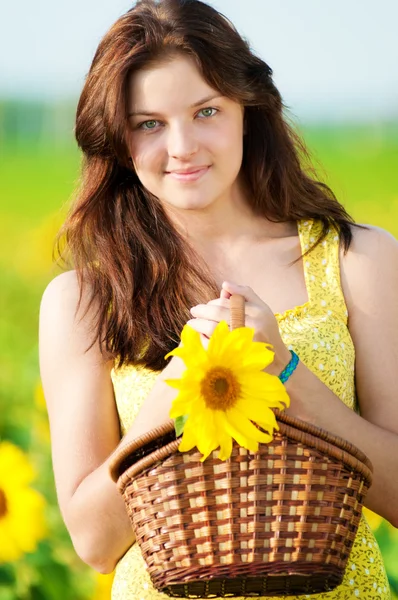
pixel 193 203
pixel 190 201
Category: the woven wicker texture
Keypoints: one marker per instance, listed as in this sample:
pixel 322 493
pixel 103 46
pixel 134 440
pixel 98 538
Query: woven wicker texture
pixel 277 522
pixel 289 512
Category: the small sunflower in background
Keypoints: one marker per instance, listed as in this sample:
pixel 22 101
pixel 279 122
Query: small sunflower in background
pixel 40 419
pixel 21 507
pixel 224 391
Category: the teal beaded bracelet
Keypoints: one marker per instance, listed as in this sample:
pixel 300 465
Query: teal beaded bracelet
pixel 290 367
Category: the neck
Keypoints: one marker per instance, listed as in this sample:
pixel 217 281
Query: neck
pixel 227 221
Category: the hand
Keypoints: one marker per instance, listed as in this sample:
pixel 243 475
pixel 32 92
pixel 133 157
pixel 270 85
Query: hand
pixel 258 316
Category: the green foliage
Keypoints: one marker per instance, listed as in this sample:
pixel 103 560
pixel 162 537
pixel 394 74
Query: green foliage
pixel 179 424
pixel 359 163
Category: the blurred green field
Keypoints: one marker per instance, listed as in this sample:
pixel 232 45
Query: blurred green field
pixel 360 163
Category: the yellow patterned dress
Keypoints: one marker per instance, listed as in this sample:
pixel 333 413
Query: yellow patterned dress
pixel 317 331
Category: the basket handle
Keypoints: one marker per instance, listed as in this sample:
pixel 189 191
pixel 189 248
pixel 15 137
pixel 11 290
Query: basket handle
pixel 237 311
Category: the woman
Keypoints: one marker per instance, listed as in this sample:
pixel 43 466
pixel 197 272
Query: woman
pixel 193 189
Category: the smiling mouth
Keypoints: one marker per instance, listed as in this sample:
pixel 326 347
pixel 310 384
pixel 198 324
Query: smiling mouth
pixel 191 175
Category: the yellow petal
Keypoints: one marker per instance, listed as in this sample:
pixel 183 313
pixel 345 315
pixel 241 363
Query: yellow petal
pixel 225 448
pixel 259 412
pixel 206 432
pixel 193 430
pixel 225 341
pixel 265 387
pixel 190 338
pixel 217 342
pixel 185 400
pixel 226 354
pixel 240 339
pixel 174 352
pixel 175 383
pixel 258 356
pixel 243 441
pixel 242 354
pixel 184 404
pixel 267 422
pixel 269 427
pixel 189 381
pixel 188 440
pixel 191 351
pixel 224 438
pixel 246 429
pixel 200 431
pixel 185 354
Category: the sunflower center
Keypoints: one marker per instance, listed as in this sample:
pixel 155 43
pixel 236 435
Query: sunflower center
pixel 3 504
pixel 220 389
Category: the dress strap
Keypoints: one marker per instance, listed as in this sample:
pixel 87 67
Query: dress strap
pixel 322 268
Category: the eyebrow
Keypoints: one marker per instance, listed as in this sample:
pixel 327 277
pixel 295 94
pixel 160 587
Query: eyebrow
pixel 146 113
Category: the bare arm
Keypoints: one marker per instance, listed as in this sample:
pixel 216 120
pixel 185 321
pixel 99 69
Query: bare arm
pixel 370 284
pixel 85 426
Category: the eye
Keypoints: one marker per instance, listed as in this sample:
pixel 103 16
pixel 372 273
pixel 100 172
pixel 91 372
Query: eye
pixel 148 125
pixel 208 112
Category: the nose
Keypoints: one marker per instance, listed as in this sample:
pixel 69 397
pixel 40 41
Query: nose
pixel 182 142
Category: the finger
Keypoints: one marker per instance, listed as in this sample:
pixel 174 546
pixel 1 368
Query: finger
pixel 251 309
pixel 224 313
pixel 255 310
pixel 243 290
pixel 203 326
pixel 225 294
pixel 219 302
pixel 210 312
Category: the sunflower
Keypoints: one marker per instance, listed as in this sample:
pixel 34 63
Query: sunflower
pixel 21 507
pixel 224 389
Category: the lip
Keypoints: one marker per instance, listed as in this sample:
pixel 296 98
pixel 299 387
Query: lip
pixel 190 174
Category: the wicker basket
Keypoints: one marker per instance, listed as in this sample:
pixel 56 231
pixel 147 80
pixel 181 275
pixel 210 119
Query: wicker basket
pixel 278 522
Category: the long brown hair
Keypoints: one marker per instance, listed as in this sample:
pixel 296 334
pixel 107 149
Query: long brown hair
pixel 142 274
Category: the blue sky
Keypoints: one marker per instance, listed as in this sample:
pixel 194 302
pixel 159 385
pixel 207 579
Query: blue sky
pixel 334 59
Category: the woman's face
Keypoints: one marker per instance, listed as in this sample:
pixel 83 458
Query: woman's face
pixel 185 140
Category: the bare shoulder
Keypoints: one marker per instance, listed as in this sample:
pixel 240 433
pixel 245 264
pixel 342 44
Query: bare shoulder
pixel 372 240
pixel 64 299
pixel 369 277
pixel 369 267
pixel 68 311
pixel 63 281
pixel 63 292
